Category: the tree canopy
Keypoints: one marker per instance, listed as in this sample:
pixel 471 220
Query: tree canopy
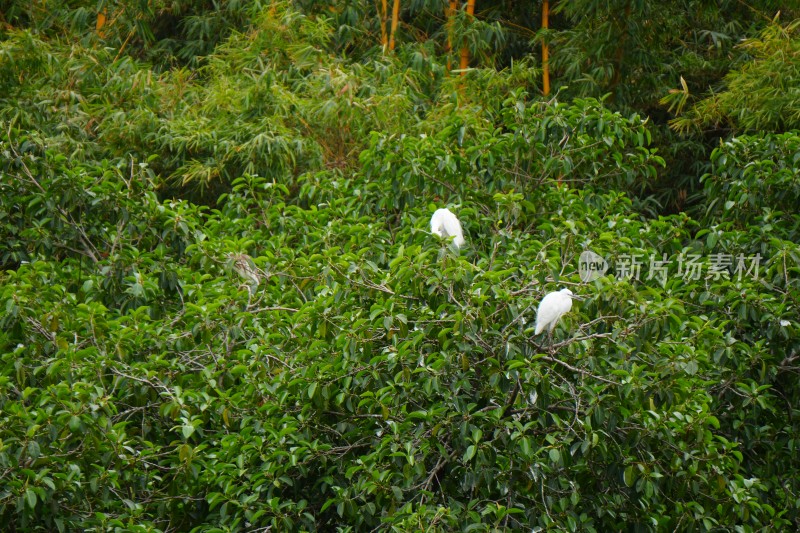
pixel 222 307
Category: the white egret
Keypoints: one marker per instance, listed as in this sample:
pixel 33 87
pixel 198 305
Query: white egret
pixel 552 307
pixel 445 224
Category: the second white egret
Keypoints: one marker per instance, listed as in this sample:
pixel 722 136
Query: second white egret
pixel 552 307
pixel 445 224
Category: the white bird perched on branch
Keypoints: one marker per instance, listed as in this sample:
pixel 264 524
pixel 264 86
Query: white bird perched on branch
pixel 445 224
pixel 552 307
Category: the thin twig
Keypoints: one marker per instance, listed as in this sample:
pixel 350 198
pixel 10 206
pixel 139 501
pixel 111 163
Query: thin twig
pixel 576 369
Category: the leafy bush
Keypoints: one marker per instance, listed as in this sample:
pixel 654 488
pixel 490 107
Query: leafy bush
pixel 755 182
pixel 581 143
pixel 760 95
pixel 393 383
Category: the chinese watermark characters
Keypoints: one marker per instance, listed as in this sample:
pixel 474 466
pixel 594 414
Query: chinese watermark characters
pixel 689 266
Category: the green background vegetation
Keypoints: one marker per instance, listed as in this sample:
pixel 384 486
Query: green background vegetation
pixel 221 308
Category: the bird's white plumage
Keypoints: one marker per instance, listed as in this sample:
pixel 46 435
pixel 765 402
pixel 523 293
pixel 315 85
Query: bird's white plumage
pixel 445 224
pixel 551 308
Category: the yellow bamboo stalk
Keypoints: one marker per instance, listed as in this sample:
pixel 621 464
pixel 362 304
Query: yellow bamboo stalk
pixel 464 64
pixel 101 21
pixel 395 16
pixel 545 49
pixel 384 17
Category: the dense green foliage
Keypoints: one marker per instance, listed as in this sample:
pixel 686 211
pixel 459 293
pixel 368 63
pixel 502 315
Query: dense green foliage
pixel 763 94
pixel 222 309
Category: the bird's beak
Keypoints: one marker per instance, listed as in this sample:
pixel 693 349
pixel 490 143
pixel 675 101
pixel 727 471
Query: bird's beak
pixel 579 298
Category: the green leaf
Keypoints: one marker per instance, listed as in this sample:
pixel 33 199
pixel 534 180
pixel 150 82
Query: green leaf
pixel 30 498
pixel 470 453
pixel 629 475
pixel 555 455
